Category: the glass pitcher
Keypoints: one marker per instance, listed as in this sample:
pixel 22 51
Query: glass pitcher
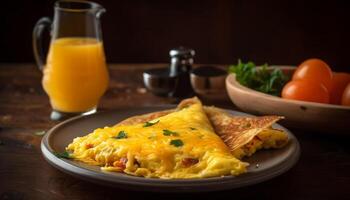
pixel 75 75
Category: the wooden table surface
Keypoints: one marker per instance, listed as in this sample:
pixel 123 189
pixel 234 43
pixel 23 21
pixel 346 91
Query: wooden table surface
pixel 322 172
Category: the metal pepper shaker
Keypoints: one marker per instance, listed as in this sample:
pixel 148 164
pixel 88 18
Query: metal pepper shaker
pixel 180 66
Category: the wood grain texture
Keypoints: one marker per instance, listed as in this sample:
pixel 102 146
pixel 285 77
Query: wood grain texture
pixel 322 172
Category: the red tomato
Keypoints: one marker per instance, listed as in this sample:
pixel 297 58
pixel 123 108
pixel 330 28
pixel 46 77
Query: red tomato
pixel 305 90
pixel 315 70
pixel 339 83
pixel 345 101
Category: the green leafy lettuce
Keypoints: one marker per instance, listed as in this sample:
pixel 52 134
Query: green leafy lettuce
pixel 261 79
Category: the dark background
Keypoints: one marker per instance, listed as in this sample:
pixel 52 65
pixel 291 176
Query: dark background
pixel 276 32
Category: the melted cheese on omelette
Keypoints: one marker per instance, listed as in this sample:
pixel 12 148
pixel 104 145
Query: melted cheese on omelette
pixel 178 145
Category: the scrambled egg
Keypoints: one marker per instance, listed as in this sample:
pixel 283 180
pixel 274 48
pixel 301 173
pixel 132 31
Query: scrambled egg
pixel 182 144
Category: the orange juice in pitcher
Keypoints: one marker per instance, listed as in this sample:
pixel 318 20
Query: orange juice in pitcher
pixel 75 72
pixel 75 75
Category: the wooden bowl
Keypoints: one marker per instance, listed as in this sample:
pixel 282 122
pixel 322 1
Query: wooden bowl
pixel 299 114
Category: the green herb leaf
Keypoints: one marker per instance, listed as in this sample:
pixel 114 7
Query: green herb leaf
pixel 40 133
pixel 168 133
pixel 147 124
pixel 64 154
pixel 121 135
pixel 193 128
pixel 176 143
pixel 260 79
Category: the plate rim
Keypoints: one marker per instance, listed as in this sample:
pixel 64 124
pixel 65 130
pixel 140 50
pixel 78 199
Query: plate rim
pixel 151 184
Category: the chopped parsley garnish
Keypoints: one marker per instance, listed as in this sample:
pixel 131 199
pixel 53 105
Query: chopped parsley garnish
pixel 64 154
pixel 193 128
pixel 168 133
pixel 121 135
pixel 177 143
pixel 147 124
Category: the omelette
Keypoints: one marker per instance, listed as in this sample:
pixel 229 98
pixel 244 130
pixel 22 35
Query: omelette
pixel 243 135
pixel 190 141
pixel 180 144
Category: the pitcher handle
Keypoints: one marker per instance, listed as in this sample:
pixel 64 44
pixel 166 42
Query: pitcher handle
pixel 39 28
